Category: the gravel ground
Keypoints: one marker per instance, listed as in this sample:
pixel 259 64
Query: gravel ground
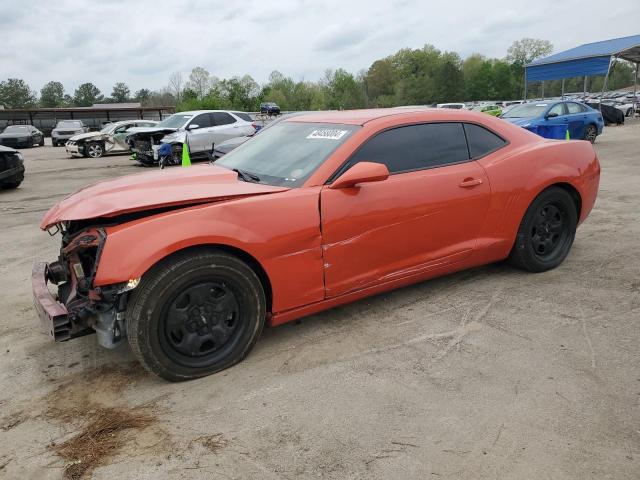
pixel 487 374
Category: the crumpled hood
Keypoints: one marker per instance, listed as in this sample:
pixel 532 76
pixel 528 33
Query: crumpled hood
pixel 84 136
pixel 161 188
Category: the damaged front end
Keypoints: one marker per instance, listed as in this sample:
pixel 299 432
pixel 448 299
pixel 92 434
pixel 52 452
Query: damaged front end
pixel 79 308
pixel 144 145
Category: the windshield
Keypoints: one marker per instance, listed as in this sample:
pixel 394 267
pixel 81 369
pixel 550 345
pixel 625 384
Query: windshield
pixel 16 128
pixel 108 127
pixel 287 153
pixel 69 124
pixel 176 120
pixel 527 110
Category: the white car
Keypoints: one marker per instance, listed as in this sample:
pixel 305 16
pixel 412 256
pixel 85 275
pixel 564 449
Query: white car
pixel 455 106
pixel 200 130
pixel 111 139
pixel 625 106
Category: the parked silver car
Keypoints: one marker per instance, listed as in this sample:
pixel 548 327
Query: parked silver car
pixel 65 129
pixel 111 139
pixel 200 130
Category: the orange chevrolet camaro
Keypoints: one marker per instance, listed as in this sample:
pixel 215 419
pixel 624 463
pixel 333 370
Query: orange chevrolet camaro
pixel 322 209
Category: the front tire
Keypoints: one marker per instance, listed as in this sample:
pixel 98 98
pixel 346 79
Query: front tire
pixel 546 232
pixel 94 150
pixel 195 314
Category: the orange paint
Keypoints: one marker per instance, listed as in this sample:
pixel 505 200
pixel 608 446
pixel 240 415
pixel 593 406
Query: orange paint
pixel 321 246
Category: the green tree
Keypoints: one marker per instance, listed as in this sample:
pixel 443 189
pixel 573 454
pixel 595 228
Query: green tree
pixel 120 92
pixel 15 93
pixel 200 82
pixel 527 50
pixel 86 95
pixel 450 78
pixel 380 82
pixel 52 95
pixel 143 96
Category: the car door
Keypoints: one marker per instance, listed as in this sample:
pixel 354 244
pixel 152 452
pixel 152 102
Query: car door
pixel 119 136
pixel 199 133
pixel 426 214
pixel 226 127
pixel 577 120
pixel 556 115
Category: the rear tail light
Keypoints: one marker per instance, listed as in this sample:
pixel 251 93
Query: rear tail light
pixel 255 126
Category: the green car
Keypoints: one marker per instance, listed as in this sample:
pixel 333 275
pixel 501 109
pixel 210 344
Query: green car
pixel 493 110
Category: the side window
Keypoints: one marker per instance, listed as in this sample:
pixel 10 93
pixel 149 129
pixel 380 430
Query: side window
pixel 222 118
pixel 481 141
pixel 574 108
pixel 415 147
pixel 558 109
pixel 202 120
pixel 244 116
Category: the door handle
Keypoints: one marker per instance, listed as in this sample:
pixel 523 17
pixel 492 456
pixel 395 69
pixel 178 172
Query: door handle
pixel 470 182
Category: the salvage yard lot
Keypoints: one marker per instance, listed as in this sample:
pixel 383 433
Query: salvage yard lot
pixel 490 373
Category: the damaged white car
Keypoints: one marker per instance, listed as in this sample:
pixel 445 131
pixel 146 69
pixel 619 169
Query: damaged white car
pixel 201 130
pixel 111 139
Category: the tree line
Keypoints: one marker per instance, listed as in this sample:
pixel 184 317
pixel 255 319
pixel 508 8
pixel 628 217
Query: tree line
pixel 408 77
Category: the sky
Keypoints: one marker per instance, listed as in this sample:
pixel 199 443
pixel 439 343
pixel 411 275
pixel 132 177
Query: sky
pixel 141 42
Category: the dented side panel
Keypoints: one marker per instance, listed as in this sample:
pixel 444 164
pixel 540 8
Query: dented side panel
pixel 280 231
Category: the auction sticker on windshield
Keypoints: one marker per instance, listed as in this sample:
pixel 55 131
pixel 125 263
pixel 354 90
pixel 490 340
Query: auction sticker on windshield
pixel 328 133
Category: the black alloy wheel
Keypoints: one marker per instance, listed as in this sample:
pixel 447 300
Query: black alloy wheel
pixel 200 322
pixel 547 231
pixel 195 313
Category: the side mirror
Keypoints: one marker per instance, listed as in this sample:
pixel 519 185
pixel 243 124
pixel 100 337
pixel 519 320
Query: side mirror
pixel 193 126
pixel 551 115
pixel 362 172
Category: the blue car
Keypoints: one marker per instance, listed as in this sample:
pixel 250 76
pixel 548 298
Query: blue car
pixel 584 122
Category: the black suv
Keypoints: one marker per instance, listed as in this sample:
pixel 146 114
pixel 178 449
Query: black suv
pixel 269 108
pixel 11 168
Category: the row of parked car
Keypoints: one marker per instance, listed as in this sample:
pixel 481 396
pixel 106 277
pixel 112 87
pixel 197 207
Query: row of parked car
pixel 210 134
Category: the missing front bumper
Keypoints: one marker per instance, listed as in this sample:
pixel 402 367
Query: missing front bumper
pixel 53 315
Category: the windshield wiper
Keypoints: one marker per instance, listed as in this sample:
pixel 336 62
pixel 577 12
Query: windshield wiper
pixel 246 176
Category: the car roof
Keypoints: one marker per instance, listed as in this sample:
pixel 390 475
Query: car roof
pixel 360 117
pixel 198 112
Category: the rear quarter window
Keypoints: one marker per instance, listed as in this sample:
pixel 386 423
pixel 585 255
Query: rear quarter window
pixel 482 141
pixel 243 116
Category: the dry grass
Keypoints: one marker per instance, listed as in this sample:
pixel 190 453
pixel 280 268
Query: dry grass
pixel 92 402
pixel 100 438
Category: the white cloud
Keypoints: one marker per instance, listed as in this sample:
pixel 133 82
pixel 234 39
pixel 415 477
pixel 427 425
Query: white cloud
pixel 141 42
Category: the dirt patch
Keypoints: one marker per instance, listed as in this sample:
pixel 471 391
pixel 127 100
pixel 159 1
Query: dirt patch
pixel 103 435
pixel 104 424
pixel 11 421
pixel 214 443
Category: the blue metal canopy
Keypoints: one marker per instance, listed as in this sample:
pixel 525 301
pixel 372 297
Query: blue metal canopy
pixel 585 60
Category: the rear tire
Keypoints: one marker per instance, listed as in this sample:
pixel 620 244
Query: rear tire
pixel 590 133
pixel 195 314
pixel 546 232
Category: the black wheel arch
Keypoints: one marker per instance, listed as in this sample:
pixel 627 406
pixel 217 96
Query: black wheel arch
pixel 571 190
